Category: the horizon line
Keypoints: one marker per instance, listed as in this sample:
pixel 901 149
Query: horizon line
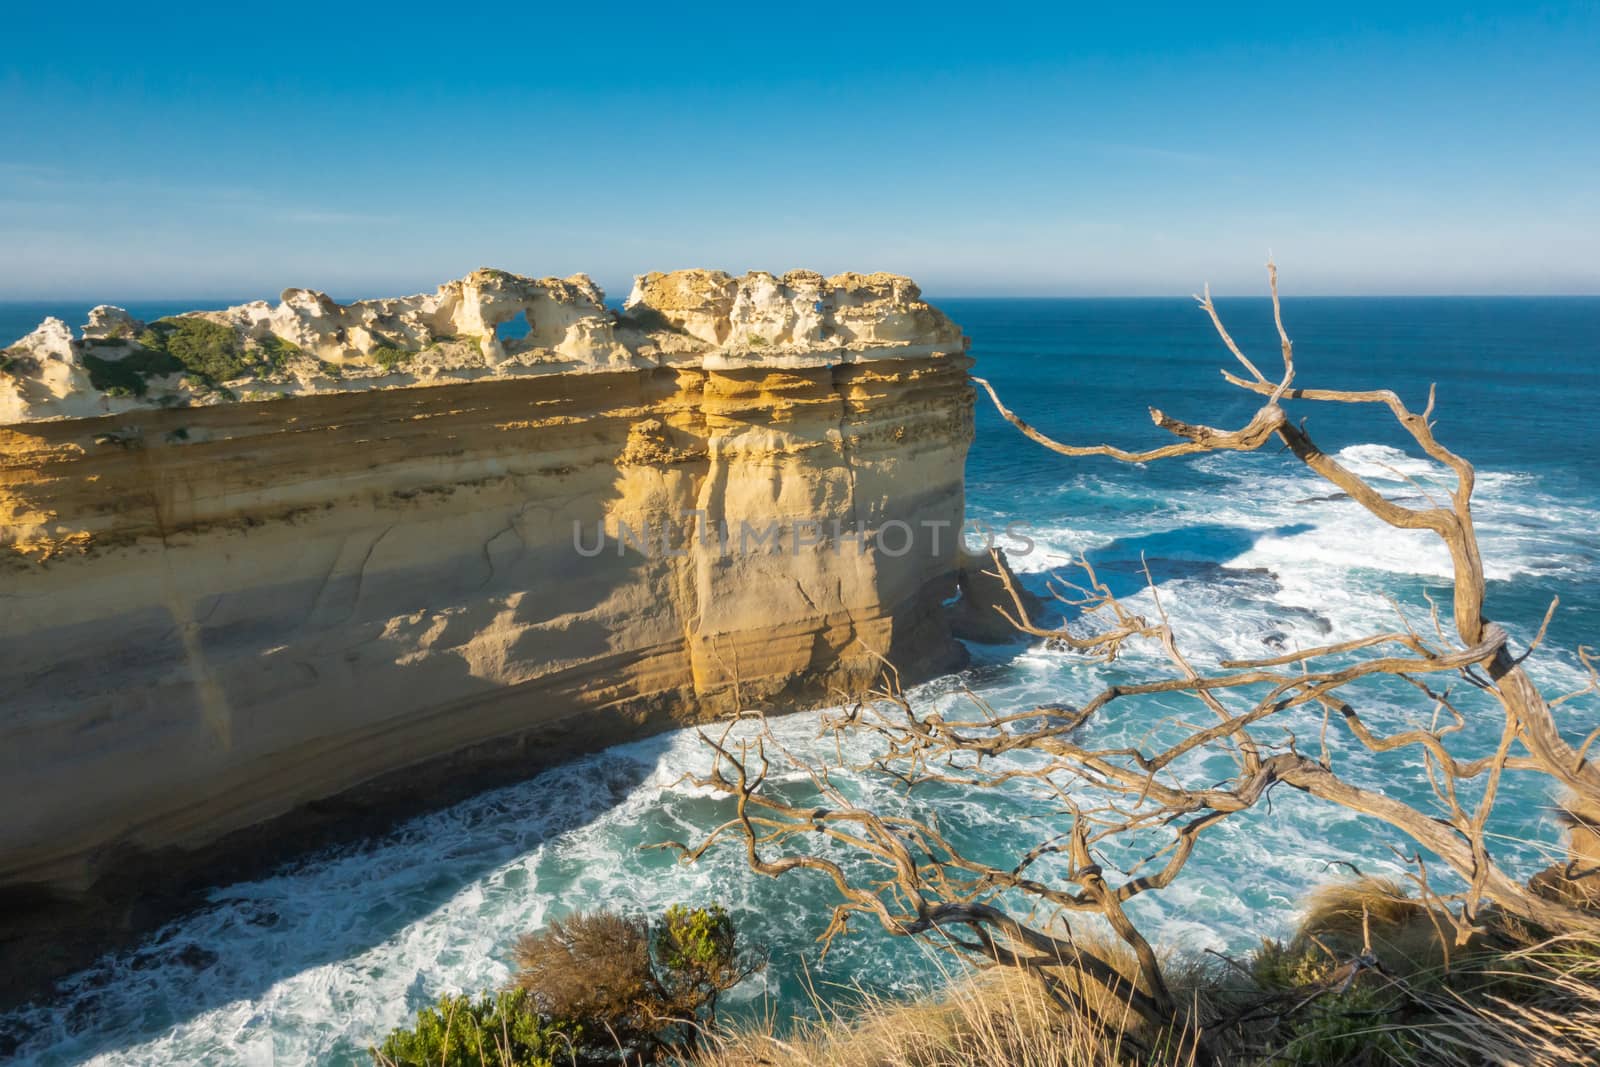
pixel 235 299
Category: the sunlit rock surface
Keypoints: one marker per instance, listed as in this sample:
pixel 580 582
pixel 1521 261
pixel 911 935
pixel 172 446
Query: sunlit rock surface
pixel 352 571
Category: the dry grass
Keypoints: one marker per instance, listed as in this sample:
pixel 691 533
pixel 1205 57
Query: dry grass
pixel 995 1019
pixel 1504 998
pixel 999 1017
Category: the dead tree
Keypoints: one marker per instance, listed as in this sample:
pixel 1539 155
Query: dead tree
pixel 1112 798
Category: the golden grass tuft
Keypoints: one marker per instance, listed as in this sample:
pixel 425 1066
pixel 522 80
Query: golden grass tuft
pixel 996 1018
pixel 1505 997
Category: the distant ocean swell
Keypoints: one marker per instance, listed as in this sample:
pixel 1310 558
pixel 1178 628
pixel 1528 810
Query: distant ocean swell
pixel 1250 553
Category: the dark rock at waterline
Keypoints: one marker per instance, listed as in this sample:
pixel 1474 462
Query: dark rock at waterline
pixel 976 615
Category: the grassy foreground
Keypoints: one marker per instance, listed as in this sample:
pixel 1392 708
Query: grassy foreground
pixel 1371 978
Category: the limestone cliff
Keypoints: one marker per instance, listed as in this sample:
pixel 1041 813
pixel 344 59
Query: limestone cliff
pixel 314 548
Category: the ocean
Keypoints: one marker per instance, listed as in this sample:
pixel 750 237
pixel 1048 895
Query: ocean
pixel 1249 552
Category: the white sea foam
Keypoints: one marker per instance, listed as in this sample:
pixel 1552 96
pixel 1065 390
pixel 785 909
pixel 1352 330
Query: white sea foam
pixel 314 963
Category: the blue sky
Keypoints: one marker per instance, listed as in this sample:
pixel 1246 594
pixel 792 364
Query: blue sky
pixel 985 149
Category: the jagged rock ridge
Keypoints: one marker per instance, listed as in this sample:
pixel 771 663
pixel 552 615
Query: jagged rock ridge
pixel 308 343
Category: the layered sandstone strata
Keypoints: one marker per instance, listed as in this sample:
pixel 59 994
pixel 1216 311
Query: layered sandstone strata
pixel 351 570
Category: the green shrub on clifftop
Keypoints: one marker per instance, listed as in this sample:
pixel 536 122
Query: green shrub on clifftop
pixel 208 349
pixel 129 375
pixel 389 357
pixel 593 988
pixel 501 1030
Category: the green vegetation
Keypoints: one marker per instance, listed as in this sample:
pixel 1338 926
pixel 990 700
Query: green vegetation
pixel 15 361
pixel 129 375
pixel 698 952
pixel 590 989
pixel 208 352
pixel 501 1029
pixel 453 339
pixel 276 351
pixel 391 358
pixel 1372 978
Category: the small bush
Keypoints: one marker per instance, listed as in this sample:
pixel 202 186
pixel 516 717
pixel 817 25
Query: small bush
pixel 389 357
pixel 15 361
pixel 208 349
pixel 276 352
pixel 456 339
pixel 593 988
pixel 129 376
pixel 698 952
pixel 210 352
pixel 502 1030
pixel 595 970
pixel 1363 1024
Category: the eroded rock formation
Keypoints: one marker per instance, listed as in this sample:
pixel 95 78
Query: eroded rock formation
pixel 309 344
pixel 219 611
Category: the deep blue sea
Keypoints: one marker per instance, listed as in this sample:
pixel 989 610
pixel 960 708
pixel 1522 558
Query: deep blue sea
pixel 1249 552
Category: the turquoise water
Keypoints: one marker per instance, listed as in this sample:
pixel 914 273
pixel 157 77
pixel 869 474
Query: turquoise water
pixel 315 962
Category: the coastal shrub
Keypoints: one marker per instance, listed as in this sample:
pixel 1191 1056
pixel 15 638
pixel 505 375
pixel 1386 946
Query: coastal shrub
pixel 129 376
pixel 495 1030
pixel 594 969
pixel 698 951
pixel 276 352
pixel 443 339
pixel 592 988
pixel 1291 1003
pixel 210 350
pixel 389 357
pixel 16 362
pixel 632 986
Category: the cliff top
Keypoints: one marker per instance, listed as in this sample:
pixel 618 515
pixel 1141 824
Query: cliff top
pixel 309 344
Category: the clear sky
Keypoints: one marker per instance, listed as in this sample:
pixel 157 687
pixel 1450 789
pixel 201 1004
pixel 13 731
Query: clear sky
pixel 1115 148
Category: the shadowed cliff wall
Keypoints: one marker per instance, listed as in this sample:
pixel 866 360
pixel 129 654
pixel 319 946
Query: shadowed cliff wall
pixel 228 622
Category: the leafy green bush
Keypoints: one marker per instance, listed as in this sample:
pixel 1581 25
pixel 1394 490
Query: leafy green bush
pixel 275 351
pixel 499 1030
pixel 698 951
pixel 209 349
pixel 1360 1025
pixel 211 352
pixel 593 988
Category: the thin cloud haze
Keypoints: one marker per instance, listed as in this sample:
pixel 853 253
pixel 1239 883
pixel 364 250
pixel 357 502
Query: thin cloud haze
pixel 1375 149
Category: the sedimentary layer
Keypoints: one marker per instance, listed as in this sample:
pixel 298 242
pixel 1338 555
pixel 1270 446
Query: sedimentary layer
pixel 232 591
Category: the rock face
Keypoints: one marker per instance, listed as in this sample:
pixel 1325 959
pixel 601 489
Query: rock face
pixel 413 574
pixel 488 324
